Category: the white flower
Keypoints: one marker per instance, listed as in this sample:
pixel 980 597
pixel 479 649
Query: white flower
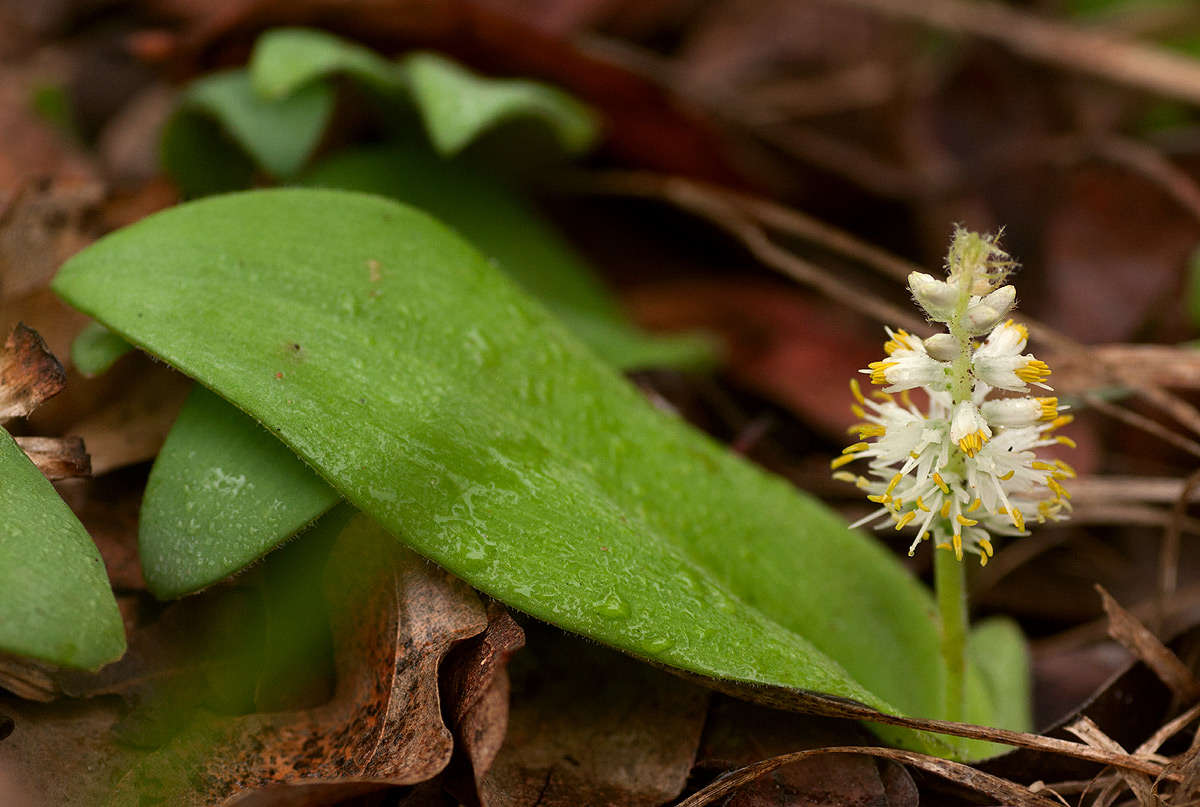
pixel 959 473
pixel 907 366
pixel 984 312
pixel 998 361
pixel 937 297
pixel 968 429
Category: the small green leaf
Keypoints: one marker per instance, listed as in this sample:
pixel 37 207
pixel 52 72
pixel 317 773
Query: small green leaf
pixel 1000 650
pixel 55 601
pixel 223 492
pixel 280 135
pixel 96 349
pixel 443 402
pixel 458 105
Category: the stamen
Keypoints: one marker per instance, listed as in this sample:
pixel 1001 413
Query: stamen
pixel 858 411
pixel 1066 469
pixel 855 448
pixel 975 505
pixel 1018 520
pixel 921 505
pixel 1057 487
pixel 966 522
pixel 1066 441
pixel 1049 408
pixel 1058 423
pixel 892 485
pixel 957 546
pixel 941 483
pixel 1033 371
pixel 986 546
pixel 879 371
pixel 903 520
pixel 846 476
pixel 880 498
pixel 843 460
pixel 945 509
pixel 856 391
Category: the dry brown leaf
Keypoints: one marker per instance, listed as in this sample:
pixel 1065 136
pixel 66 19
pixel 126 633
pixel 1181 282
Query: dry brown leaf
pixel 476 687
pixel 45 223
pixel 590 726
pixel 57 457
pixel 29 373
pixel 394 618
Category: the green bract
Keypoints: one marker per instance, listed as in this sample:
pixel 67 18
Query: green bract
pixel 55 602
pixel 438 398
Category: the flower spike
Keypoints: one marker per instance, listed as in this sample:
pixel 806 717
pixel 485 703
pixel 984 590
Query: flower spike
pixel 965 467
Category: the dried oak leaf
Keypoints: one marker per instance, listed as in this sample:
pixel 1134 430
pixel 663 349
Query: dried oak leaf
pixel 588 726
pixel 476 688
pixel 740 733
pixel 29 373
pixel 394 618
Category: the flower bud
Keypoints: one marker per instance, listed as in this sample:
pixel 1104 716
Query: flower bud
pixel 942 346
pixel 985 313
pixel 937 297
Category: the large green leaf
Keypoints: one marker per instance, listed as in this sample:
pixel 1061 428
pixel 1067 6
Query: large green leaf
pixel 184 506
pixel 55 601
pixel 455 105
pixel 223 492
pixel 445 403
pixel 506 229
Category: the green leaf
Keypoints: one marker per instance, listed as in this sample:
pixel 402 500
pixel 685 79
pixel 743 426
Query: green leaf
pixel 280 134
pixel 450 407
pixel 55 601
pixel 999 649
pixel 506 229
pixel 95 349
pixel 223 492
pixel 456 105
pixel 185 505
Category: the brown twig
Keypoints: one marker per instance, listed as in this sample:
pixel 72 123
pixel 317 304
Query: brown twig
pixel 1003 790
pixel 1099 54
pixel 1139 640
pixel 1168 560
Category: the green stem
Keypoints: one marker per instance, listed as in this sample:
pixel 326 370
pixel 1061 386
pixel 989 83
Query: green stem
pixel 950 580
pixel 949 573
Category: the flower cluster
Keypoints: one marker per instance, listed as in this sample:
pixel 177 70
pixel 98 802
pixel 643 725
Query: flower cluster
pixel 963 467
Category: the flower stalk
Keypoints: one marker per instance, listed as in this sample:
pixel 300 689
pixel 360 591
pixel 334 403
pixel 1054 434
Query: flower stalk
pixel 962 466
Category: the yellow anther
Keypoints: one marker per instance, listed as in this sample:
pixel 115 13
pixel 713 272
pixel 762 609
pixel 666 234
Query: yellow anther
pixel 1007 476
pixel 892 484
pixel 1018 520
pixel 1058 423
pixel 906 399
pixel 862 483
pixel 957 546
pixel 1021 329
pixel 966 522
pixel 914 455
pixel 945 512
pixel 903 520
pixel 846 476
pixel 924 536
pixel 880 395
pixel 986 546
pixel 1038 465
pixel 1049 408
pixel 879 371
pixel 858 411
pixel 1066 469
pixel 1066 441
pixel 898 504
pixel 856 391
pixel 975 505
pixel 971 444
pixel 898 341
pixel 983 559
pixel 1058 489
pixel 868 429
pixel 943 545
pixel 941 483
pixel 1033 371
pixel 921 505
pixel 855 448
pixel 843 460
pixel 880 498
